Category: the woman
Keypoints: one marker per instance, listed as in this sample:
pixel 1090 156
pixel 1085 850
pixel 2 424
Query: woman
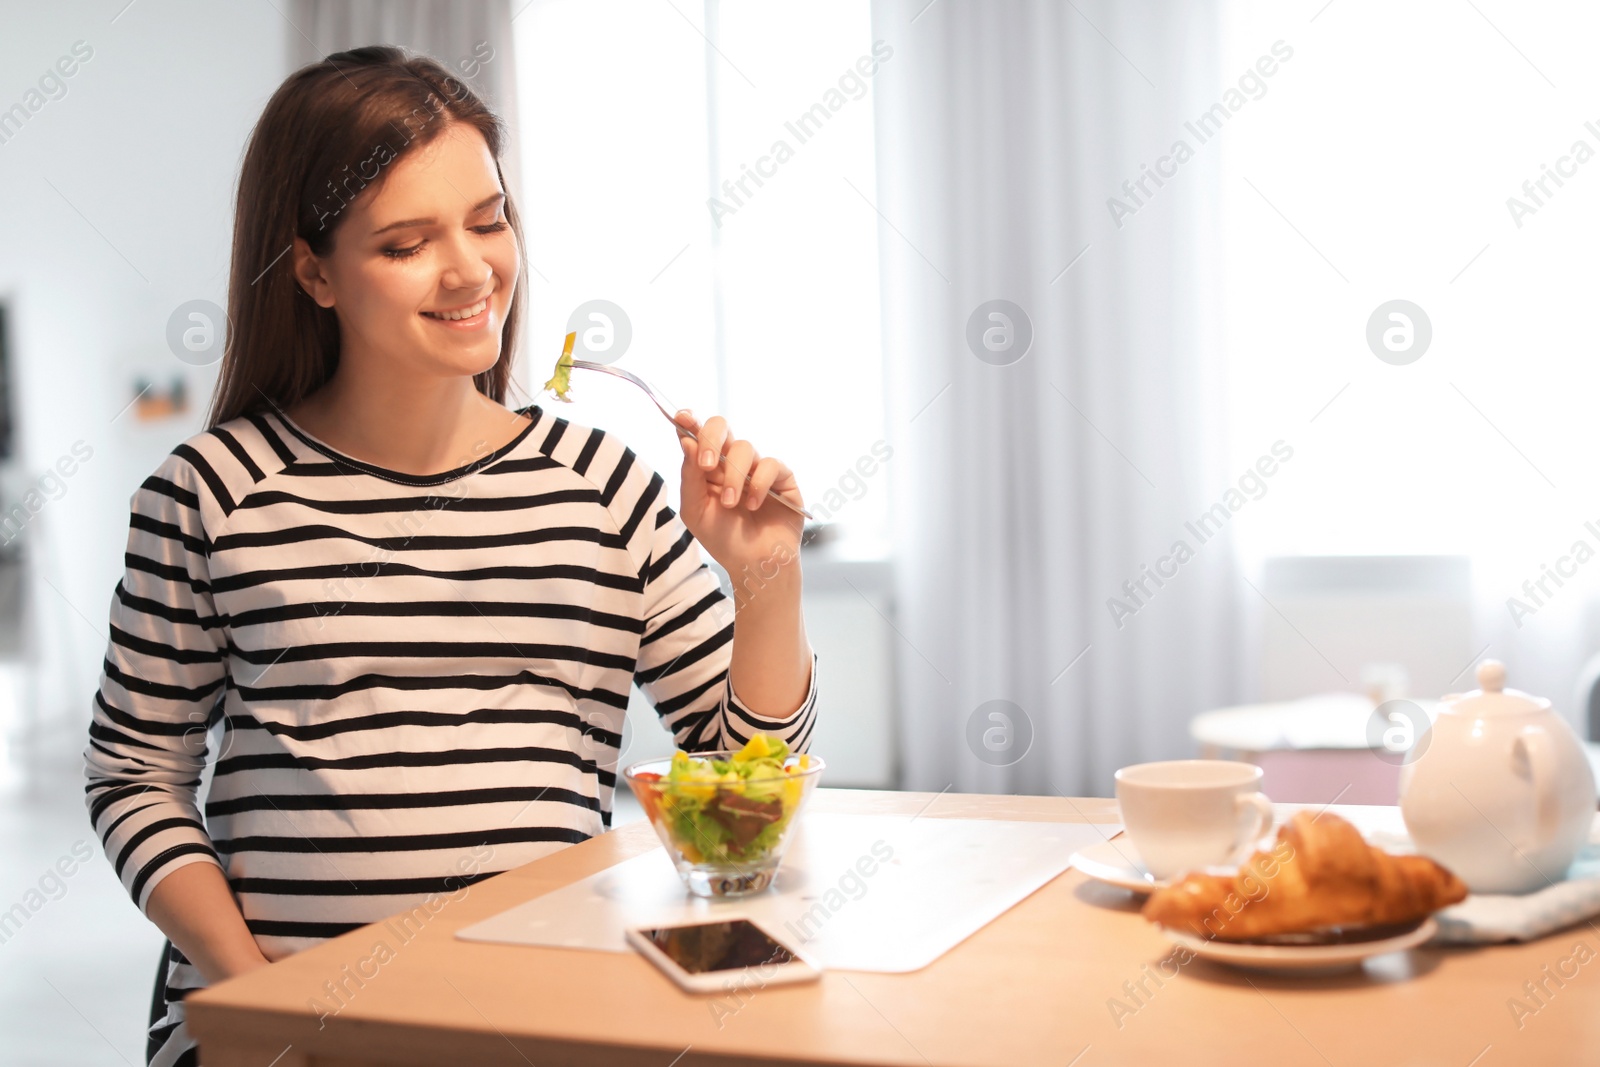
pixel 415 613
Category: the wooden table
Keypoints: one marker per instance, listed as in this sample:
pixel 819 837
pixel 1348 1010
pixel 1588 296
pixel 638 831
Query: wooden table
pixel 1037 986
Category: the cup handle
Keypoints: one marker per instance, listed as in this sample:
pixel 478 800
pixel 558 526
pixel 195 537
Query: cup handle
pixel 1255 819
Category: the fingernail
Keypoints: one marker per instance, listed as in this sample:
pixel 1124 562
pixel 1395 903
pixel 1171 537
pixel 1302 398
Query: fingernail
pixel 708 458
pixel 754 503
pixel 730 496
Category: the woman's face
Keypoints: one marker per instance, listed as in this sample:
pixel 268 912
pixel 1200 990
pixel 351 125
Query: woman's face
pixel 430 237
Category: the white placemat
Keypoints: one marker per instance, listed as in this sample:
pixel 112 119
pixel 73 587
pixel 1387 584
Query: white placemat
pixel 859 892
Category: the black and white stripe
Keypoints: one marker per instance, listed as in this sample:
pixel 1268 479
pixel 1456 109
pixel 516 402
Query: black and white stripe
pixel 403 671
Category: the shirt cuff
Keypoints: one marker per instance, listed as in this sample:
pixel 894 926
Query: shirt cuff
pixel 742 721
pixel 158 870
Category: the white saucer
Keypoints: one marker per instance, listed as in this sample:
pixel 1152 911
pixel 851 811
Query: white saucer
pixel 1327 959
pixel 1117 863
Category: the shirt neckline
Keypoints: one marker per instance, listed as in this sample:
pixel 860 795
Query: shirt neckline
pixel 532 410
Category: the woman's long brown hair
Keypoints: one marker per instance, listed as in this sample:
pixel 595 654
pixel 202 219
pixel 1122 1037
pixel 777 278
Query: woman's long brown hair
pixel 332 129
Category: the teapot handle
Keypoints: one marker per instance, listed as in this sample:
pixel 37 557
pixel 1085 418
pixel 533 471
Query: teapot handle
pixel 1535 748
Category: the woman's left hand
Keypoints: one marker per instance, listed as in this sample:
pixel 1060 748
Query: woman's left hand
pixel 734 520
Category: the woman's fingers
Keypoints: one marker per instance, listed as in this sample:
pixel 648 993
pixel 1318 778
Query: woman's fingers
pixel 686 421
pixel 741 459
pixel 732 470
pixel 714 437
pixel 767 473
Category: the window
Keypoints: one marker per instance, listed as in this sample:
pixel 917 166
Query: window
pixel 653 179
pixel 1386 161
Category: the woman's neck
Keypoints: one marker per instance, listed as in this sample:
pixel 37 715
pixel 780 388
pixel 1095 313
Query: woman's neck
pixel 418 428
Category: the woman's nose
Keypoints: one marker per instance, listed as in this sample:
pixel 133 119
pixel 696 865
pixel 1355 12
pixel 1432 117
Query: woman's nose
pixel 465 267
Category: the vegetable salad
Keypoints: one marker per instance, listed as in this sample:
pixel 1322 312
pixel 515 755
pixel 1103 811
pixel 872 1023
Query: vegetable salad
pixel 732 810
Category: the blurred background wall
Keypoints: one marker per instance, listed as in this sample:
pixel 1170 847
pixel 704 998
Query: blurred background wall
pixel 117 187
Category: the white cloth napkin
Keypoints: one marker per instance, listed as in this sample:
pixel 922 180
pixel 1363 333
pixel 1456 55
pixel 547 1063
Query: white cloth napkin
pixel 1484 918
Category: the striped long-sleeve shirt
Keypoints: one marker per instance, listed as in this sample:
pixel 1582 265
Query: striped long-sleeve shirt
pixel 420 681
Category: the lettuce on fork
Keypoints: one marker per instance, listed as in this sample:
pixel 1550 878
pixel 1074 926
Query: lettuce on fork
pixel 561 384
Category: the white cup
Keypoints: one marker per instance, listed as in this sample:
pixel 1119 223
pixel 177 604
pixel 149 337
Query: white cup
pixel 1191 813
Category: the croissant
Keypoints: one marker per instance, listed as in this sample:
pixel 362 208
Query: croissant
pixel 1319 874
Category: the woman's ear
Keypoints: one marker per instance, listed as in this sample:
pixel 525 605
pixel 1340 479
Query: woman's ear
pixel 308 272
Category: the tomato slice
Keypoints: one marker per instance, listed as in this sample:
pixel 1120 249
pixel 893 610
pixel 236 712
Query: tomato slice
pixel 650 799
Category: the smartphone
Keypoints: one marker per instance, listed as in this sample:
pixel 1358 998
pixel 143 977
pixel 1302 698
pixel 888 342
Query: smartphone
pixel 715 957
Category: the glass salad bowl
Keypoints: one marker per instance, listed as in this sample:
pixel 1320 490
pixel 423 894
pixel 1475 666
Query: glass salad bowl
pixel 726 817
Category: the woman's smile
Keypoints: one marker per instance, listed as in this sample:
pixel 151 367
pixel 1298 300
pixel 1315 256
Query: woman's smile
pixel 466 317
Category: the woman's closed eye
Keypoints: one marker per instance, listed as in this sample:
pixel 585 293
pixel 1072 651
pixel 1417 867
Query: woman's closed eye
pixel 407 253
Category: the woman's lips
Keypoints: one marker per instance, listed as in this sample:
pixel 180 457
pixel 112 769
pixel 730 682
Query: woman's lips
pixel 479 317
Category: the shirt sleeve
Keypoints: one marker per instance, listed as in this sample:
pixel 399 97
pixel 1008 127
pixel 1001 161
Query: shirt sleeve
pixel 161 684
pixel 687 647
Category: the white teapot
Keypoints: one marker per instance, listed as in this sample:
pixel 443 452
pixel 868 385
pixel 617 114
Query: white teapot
pixel 1503 794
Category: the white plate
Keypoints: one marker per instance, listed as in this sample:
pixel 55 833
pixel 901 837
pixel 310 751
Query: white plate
pixel 1346 956
pixel 1117 863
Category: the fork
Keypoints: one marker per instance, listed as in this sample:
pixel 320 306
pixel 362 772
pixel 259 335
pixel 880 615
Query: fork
pixel 661 405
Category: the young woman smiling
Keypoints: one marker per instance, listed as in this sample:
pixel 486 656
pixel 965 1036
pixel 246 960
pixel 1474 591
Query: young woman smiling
pixel 415 613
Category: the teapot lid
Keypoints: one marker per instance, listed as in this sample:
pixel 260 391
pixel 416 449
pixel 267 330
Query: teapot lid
pixel 1492 697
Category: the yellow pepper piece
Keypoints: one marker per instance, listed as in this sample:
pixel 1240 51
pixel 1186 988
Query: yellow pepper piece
pixel 561 382
pixel 761 746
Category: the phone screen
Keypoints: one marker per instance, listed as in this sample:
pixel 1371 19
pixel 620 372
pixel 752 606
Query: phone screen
pixel 724 946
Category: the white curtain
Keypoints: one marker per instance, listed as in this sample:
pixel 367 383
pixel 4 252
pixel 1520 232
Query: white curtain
pixel 470 37
pixel 1028 493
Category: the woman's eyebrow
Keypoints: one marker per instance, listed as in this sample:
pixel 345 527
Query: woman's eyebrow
pixel 479 206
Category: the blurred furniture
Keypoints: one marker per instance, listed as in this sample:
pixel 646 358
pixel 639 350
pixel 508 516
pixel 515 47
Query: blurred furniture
pixel 8 414
pixel 1337 616
pixel 1588 701
pixel 1315 750
pixel 12 614
pixel 846 604
pixel 1031 987
pixel 17 712
pixel 1312 751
